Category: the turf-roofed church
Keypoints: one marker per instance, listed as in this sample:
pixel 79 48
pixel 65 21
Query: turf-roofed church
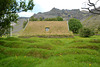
pixel 34 28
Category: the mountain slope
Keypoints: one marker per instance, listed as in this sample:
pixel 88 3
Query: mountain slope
pixel 65 14
pixel 18 26
pixel 92 21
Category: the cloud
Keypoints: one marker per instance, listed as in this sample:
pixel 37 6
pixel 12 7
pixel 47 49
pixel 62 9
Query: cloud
pixel 47 5
pixel 25 14
pixel 37 8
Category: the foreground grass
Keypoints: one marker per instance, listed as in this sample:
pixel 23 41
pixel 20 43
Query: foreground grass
pixel 50 52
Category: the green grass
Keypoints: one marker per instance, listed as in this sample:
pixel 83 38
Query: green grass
pixel 50 52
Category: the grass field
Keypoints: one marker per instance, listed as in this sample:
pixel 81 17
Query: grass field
pixel 50 52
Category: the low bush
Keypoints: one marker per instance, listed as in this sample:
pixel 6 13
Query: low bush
pixel 98 28
pixel 86 32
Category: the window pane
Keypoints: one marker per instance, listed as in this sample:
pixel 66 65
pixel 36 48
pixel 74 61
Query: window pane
pixel 47 29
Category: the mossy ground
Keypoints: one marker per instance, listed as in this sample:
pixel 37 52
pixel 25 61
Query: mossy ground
pixel 50 52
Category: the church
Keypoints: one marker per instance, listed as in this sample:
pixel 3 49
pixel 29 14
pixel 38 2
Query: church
pixel 50 28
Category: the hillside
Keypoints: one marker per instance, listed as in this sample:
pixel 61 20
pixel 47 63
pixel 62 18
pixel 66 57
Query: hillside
pixel 92 21
pixel 65 14
pixel 19 25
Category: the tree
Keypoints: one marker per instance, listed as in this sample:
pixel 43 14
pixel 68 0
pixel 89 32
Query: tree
pixel 9 10
pixel 92 7
pixel 59 18
pixel 46 19
pixel 33 19
pixel 54 19
pixel 41 19
pixel 74 25
pixel 50 19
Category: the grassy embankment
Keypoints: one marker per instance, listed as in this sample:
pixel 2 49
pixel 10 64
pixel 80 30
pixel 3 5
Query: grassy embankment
pixel 50 52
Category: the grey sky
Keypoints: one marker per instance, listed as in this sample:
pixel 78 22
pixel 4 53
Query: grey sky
pixel 47 5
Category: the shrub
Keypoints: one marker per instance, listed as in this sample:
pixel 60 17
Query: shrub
pixel 98 28
pixel 59 18
pixel 74 25
pixel 40 19
pixel 50 19
pixel 33 19
pixel 86 32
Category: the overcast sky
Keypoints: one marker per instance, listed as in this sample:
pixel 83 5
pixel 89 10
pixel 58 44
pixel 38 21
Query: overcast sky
pixel 47 5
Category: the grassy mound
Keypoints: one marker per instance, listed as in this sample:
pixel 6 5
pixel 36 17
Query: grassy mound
pixel 50 52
